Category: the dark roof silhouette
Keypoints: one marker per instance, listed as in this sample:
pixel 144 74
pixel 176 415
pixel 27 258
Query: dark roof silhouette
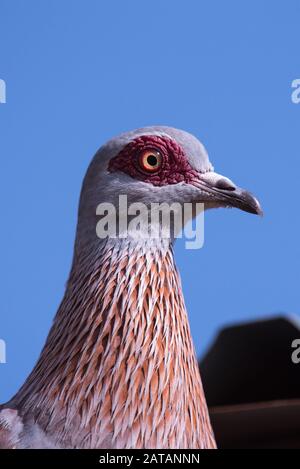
pixel 252 385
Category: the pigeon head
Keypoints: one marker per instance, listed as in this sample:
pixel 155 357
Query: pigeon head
pixel 162 164
pixel 159 164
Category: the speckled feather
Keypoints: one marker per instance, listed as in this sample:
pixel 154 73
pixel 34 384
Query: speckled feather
pixel 128 376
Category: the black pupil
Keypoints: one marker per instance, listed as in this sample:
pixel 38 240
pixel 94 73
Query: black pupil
pixel 152 160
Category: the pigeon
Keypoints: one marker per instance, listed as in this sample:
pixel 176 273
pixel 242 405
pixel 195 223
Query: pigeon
pixel 119 369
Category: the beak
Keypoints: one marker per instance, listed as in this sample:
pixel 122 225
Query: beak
pixel 222 192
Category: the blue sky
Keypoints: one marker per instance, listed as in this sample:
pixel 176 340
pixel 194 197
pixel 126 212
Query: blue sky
pixel 79 72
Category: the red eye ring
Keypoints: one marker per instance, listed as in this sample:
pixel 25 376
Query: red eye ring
pixel 150 160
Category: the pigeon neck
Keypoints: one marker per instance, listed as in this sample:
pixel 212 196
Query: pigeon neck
pixel 118 367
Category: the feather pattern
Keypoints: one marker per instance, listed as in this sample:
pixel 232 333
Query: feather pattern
pixel 118 369
pixel 11 426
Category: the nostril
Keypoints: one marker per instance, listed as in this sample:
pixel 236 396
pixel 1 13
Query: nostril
pixel 225 184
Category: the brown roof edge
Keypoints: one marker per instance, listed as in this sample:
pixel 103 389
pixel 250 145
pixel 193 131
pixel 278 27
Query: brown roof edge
pixel 272 424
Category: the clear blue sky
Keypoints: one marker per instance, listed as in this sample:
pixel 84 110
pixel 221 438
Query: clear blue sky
pixel 79 72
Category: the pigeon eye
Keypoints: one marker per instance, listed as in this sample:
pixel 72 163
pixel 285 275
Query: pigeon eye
pixel 150 160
